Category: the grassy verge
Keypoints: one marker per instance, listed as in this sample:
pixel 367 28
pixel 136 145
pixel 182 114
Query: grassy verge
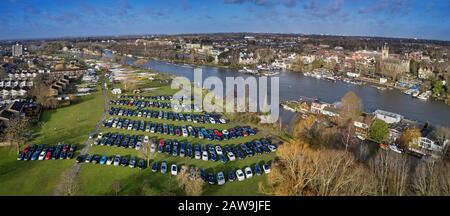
pixel 71 125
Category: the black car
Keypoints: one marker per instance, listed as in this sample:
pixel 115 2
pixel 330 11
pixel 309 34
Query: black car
pixel 55 154
pixel 123 161
pixel 28 155
pixel 20 156
pixel 211 178
pixel 141 164
pixel 95 159
pixel 231 176
pixel 202 174
pixel 80 159
pixel 154 167
pixel 70 155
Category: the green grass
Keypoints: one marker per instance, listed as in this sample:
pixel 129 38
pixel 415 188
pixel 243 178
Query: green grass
pixel 71 125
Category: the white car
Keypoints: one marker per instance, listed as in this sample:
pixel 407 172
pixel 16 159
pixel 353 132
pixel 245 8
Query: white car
pixel 174 170
pixel 42 155
pixel 205 156
pixel 130 126
pixel 240 175
pixel 153 147
pixel 117 160
pixel 220 178
pixel 266 168
pixel 219 150
pixel 146 139
pixel 248 172
pixel 225 132
pixel 185 133
pixel 211 119
pixel 100 135
pixel 272 148
pixel 222 121
pixel 231 156
pixel 198 155
pixel 109 161
pixel 138 146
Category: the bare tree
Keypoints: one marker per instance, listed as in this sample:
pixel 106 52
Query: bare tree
pixel 303 171
pixel 351 106
pixel 146 152
pixel 192 187
pixel 116 186
pixel 42 92
pixel 432 179
pixel 17 131
pixel 391 173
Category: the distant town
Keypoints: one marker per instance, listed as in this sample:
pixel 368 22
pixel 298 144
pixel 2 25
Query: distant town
pixel 79 98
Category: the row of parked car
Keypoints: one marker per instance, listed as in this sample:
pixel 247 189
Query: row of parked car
pixel 186 149
pixel 185 131
pixel 42 152
pixel 220 178
pixel 147 97
pixel 145 113
pixel 130 161
pixel 176 105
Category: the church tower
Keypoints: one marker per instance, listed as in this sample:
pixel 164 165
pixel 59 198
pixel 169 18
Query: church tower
pixel 385 52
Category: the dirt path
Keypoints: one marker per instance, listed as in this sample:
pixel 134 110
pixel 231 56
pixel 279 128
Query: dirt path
pixel 88 142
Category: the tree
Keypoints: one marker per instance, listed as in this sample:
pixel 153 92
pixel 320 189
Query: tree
pixel 146 152
pixel 116 186
pixel 17 130
pixel 129 84
pixel 391 173
pixel 304 125
pixel 300 170
pixel 408 136
pixel 379 131
pixel 42 92
pixel 192 186
pixel 432 179
pixel 351 106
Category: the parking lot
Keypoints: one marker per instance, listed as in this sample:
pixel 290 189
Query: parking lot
pixel 220 177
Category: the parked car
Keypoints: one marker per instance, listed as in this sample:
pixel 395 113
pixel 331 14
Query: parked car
pixel 124 161
pixel 220 178
pixel 110 160
pixel 154 166
pixel 211 178
pixel 266 168
pixel 117 160
pixel 42 155
pixel 258 170
pixel 79 159
pixel 103 160
pixel 240 175
pixel 174 169
pixel 248 172
pixel 231 176
pixel 205 156
pixel 141 164
pixel 163 167
pixel 70 154
pixel 88 159
pixel 132 163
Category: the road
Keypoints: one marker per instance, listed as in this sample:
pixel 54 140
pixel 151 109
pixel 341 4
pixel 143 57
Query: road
pixel 88 142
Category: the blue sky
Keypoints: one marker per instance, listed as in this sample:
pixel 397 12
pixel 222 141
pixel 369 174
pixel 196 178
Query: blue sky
pixel 393 18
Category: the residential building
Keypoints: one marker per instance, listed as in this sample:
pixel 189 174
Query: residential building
pixel 17 50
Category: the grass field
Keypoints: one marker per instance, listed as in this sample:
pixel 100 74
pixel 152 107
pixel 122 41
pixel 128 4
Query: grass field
pixel 98 179
pixel 71 125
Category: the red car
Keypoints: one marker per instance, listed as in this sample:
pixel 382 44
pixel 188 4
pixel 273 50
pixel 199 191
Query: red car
pixel 217 133
pixel 26 149
pixel 161 142
pixel 48 155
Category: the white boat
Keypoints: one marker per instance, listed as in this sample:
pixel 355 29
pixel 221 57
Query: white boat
pixel 415 93
pixel 425 95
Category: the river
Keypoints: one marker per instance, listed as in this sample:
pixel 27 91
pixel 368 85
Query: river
pixel 293 85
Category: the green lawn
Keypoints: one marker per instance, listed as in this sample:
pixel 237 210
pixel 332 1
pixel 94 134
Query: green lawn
pixel 71 125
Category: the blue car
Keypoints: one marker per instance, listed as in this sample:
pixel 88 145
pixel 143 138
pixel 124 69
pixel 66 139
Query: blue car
pixel 258 169
pixel 154 166
pixel 103 160
pixel 35 155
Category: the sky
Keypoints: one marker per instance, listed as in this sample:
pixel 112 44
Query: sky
pixel 24 19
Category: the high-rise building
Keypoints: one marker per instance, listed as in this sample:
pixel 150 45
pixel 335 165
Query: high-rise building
pixel 17 49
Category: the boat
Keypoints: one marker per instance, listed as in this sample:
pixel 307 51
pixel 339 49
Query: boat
pixel 415 93
pixel 425 95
